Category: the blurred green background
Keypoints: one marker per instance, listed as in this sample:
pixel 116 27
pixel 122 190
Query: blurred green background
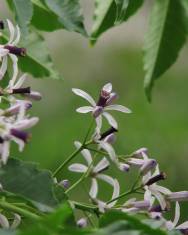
pixel 117 57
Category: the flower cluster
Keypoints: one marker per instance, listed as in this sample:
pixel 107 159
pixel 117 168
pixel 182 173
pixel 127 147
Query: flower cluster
pixel 15 98
pixel 156 199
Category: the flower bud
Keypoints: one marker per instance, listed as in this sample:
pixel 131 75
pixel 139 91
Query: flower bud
pixel 140 152
pixel 82 223
pixel 4 221
pixel 161 176
pixel 124 167
pixel 65 183
pixel 147 166
pixel 178 196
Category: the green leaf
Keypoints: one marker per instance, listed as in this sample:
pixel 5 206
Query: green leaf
pixel 26 180
pixel 165 38
pixel 129 223
pixel 69 13
pixel 110 12
pixel 23 10
pixel 42 15
pixel 37 62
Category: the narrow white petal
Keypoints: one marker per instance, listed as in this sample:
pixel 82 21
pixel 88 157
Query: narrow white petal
pixel 77 167
pixel 84 109
pixel 112 122
pixel 26 124
pixel 103 164
pixel 108 148
pixel 99 124
pixel 107 87
pixel 94 188
pixel 108 179
pixel 11 31
pixel 136 161
pixel 4 221
pixel 84 95
pixel 5 151
pixel 157 171
pixel 177 214
pixel 147 195
pixel 3 52
pixel 15 69
pixel 183 226
pixel 118 107
pixel 160 198
pixel 85 152
pixel 16 222
pixel 19 142
pixel 20 81
pixel 162 189
pixel 116 192
pixel 3 68
pixel 17 39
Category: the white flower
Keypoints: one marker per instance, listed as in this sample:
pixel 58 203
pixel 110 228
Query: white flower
pixel 95 173
pixel 12 129
pixel 11 50
pixel 99 108
pixel 5 223
pixel 170 225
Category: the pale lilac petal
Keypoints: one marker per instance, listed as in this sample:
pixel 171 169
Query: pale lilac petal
pixel 116 192
pixel 26 124
pixel 20 81
pixel 177 214
pixel 98 124
pixel 15 69
pixel 160 198
pixel 128 202
pixel 11 31
pixel 4 221
pixel 162 189
pixel 102 165
pixel 5 151
pixel 3 52
pixel 16 222
pixel 108 148
pixel 107 88
pixel 77 167
pixel 182 226
pixel 84 109
pixel 94 188
pixel 112 122
pixel 118 107
pixel 108 179
pixel 85 152
pixel 84 95
pixel 3 68
pixel 17 39
pixel 136 161
pixel 19 142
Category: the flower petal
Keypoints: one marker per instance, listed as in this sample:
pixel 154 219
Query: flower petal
pixel 15 69
pixel 84 109
pixel 4 221
pixel 20 81
pixel 94 188
pixel 85 152
pixel 108 148
pixel 17 39
pixel 11 31
pixel 160 198
pixel 3 68
pixel 112 122
pixel 115 193
pixel 84 95
pixel 99 125
pixel 162 189
pixel 107 88
pixel 119 108
pixel 102 165
pixel 177 214
pixel 183 226
pixel 77 167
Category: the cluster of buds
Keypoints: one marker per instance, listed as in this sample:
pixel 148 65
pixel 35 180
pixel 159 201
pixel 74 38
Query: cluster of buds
pixel 15 98
pixel 156 200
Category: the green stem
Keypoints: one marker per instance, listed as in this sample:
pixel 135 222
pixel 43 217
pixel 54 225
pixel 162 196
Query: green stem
pixel 76 183
pixel 125 194
pixel 10 207
pixel 85 207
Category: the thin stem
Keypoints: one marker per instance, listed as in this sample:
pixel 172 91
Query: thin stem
pixel 10 207
pixel 85 207
pixel 76 183
pixel 125 194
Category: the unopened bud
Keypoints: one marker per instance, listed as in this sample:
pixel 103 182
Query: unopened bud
pixel 65 183
pixel 147 166
pixel 82 223
pixel 124 167
pixel 161 176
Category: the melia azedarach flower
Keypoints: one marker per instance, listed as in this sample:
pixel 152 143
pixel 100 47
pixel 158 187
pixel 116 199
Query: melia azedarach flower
pixel 102 106
pixel 14 119
pixel 156 199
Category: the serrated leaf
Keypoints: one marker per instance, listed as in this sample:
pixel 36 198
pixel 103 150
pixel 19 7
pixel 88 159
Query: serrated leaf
pixel 26 180
pixel 37 62
pixel 42 15
pixel 164 39
pixel 108 12
pixel 23 10
pixel 69 13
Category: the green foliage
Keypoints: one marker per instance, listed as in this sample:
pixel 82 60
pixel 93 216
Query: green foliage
pixel 165 38
pixel 109 13
pixel 26 180
pixel 37 61
pixel 23 12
